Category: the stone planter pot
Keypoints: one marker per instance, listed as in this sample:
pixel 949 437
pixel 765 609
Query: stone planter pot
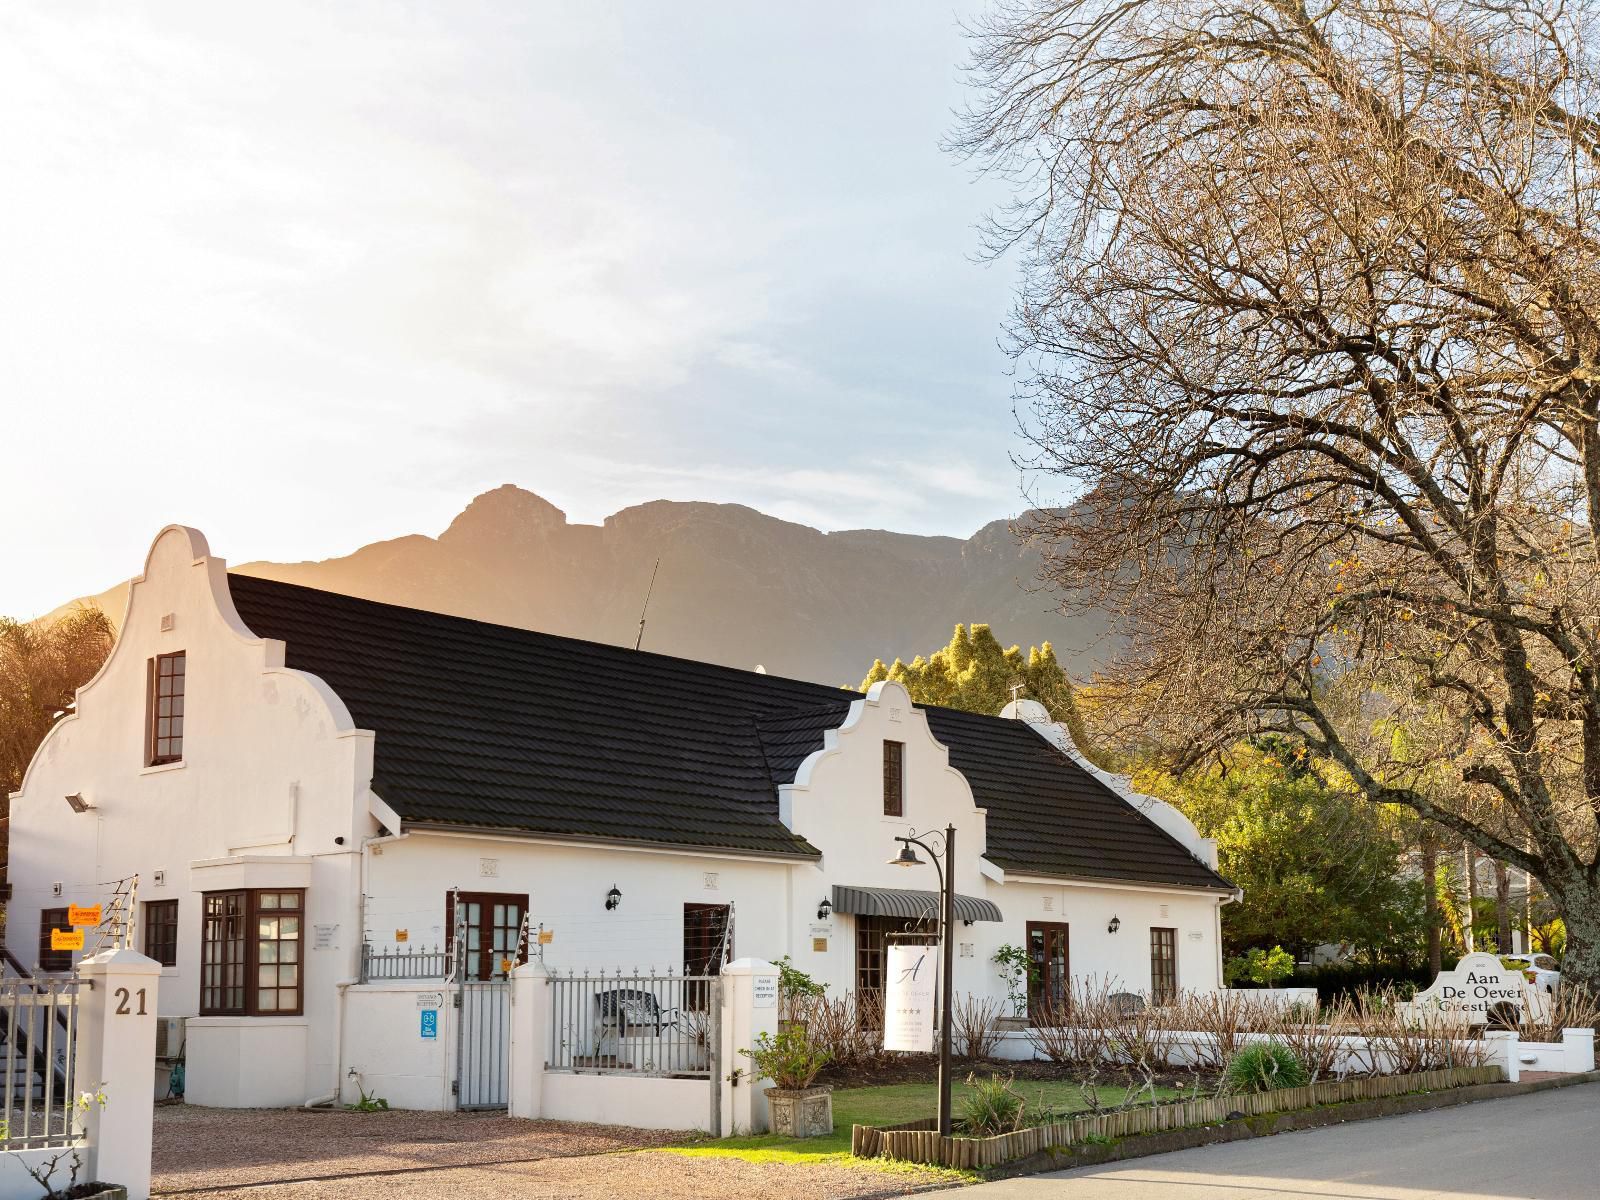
pixel 801 1112
pixel 91 1191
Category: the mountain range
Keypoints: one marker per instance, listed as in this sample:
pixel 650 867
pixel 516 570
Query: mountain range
pixel 734 586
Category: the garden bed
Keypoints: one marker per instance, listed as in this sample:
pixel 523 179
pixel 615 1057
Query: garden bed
pixel 921 1143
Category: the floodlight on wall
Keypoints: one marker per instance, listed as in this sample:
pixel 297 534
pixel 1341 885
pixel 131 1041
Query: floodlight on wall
pixel 613 898
pixel 825 909
pixel 1116 924
pixel 78 804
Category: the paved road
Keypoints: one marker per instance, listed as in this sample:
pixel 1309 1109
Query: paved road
pixel 1546 1145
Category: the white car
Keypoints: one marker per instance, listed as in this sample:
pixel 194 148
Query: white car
pixel 1538 969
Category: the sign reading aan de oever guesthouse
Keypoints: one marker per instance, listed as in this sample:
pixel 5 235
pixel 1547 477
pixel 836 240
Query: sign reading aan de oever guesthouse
pixel 1478 985
pixel 908 998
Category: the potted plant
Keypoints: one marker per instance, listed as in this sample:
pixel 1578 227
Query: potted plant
pixel 1017 972
pixel 44 1171
pixel 792 1062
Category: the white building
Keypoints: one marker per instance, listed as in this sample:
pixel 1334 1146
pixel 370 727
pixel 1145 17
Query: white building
pixel 293 774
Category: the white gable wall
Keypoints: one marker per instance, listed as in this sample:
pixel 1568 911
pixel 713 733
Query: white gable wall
pixel 273 772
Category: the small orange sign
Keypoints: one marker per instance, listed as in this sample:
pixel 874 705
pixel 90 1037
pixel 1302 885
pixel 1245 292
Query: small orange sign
pixel 62 939
pixel 82 916
pixel 546 936
pixel 505 966
pixel 402 935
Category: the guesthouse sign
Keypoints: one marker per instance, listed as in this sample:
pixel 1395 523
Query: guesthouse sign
pixel 908 998
pixel 1479 985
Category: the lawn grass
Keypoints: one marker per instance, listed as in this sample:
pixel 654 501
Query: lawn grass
pixel 890 1104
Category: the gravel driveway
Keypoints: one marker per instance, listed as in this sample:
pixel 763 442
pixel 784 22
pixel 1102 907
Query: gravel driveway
pixel 293 1154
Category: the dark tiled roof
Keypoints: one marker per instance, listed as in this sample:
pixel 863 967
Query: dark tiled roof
pixel 493 727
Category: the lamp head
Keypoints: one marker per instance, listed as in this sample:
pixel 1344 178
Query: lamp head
pixel 1116 924
pixel 906 858
pixel 825 909
pixel 613 898
pixel 77 803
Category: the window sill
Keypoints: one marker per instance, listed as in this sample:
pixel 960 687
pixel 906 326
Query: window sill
pixel 228 1022
pixel 160 767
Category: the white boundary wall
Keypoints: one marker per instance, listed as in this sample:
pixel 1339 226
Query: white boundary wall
pixel 749 1009
pixel 115 1055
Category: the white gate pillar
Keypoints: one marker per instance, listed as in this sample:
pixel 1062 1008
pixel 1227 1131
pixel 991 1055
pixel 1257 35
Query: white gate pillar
pixel 749 1009
pixel 530 1035
pixel 1503 1052
pixel 116 1054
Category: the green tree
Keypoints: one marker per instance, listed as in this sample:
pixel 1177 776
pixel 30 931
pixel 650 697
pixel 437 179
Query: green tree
pixel 42 665
pixel 1315 863
pixel 974 673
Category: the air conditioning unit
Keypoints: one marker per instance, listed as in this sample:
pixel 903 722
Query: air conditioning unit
pixel 169 1037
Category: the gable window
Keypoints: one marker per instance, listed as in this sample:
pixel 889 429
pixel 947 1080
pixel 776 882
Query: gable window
pixel 894 779
pixel 250 953
pixel 164 734
pixel 1163 965
pixel 161 931
pixel 53 960
pixel 493 931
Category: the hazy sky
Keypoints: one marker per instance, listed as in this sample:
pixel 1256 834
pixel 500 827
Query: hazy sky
pixel 310 275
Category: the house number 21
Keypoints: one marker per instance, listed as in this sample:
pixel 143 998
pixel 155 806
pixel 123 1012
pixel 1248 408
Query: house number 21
pixel 123 997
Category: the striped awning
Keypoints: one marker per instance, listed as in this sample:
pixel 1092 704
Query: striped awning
pixel 908 903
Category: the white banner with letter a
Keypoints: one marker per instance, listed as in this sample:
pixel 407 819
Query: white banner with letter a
pixel 908 998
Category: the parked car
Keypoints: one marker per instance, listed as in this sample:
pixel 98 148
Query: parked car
pixel 1538 969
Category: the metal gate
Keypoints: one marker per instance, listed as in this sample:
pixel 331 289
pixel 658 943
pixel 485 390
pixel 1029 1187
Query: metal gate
pixel 483 1043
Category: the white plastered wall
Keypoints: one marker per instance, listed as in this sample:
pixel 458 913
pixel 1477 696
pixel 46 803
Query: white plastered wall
pixel 273 768
pixel 836 804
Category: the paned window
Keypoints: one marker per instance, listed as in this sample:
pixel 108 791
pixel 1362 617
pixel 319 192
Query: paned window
pixel 53 960
pixel 493 931
pixel 250 953
pixel 1163 965
pixel 165 736
pixel 1050 982
pixel 894 779
pixel 873 935
pixel 161 931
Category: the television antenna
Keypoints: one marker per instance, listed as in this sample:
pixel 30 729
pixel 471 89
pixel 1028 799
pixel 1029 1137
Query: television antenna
pixel 638 641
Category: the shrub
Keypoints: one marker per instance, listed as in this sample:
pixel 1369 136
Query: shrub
pixel 1346 980
pixel 795 987
pixel 1264 1067
pixel 790 1060
pixel 1265 968
pixel 991 1106
pixel 974 1026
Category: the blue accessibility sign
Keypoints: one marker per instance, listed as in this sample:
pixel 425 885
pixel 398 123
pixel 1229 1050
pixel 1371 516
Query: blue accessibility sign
pixel 430 1022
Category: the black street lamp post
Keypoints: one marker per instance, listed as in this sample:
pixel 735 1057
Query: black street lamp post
pixel 947 899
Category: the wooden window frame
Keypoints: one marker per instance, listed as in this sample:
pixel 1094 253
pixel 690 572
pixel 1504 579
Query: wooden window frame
pixel 485 967
pixel 1163 983
pixel 251 913
pixel 1039 983
pixel 894 778
pixel 161 749
pixel 54 961
pixel 161 931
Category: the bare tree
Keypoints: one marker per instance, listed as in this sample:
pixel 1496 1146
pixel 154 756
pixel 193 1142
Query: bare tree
pixel 1309 326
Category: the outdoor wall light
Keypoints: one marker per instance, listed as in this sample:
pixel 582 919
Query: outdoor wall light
pixel 1116 924
pixel 78 804
pixel 825 909
pixel 613 898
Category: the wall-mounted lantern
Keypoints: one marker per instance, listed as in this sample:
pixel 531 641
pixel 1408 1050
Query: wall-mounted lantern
pixel 613 898
pixel 1116 924
pixel 825 909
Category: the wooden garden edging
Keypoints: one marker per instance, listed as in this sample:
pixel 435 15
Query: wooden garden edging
pixel 924 1145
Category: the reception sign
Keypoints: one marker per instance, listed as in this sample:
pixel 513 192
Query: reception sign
pixel 1479 984
pixel 908 998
